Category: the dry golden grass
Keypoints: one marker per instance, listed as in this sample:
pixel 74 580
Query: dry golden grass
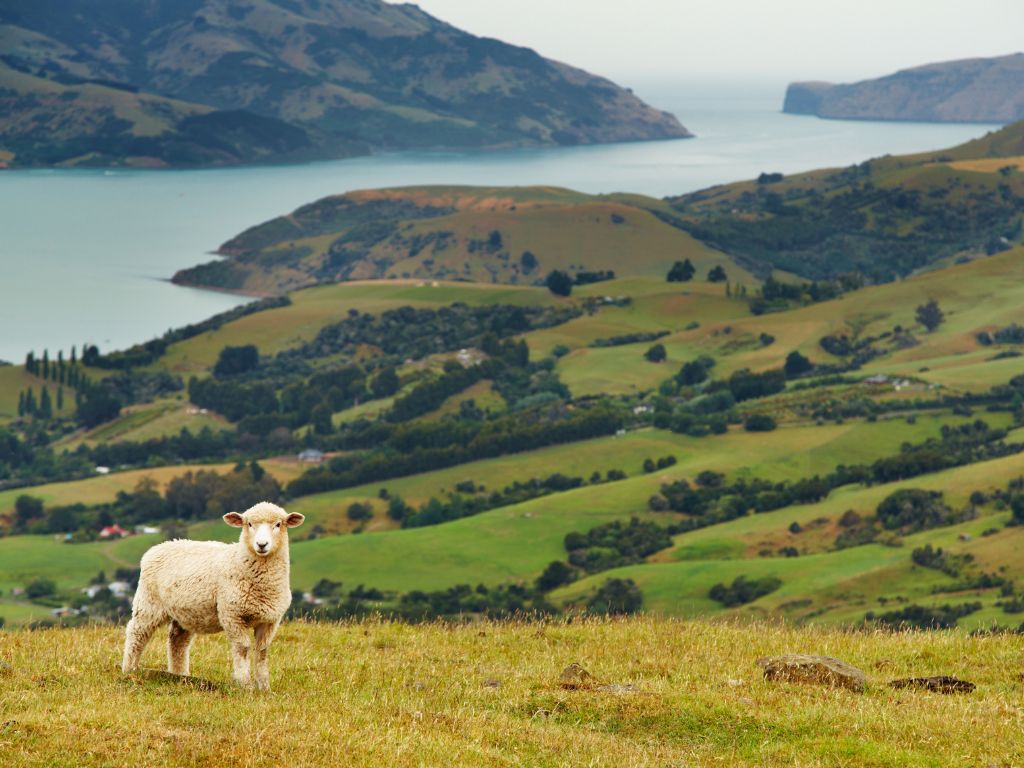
pixel 988 164
pixel 375 694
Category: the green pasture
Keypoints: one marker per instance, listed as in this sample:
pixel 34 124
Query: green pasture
pixel 104 488
pixel 313 308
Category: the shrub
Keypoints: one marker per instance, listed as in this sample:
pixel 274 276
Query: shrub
pixel 743 590
pixel 359 512
pixel 616 597
pixel 40 588
pixel 681 272
pixel 656 354
pixel 759 422
pixel 235 360
pixel 559 283
pixel 797 364
pixel 557 574
pixel 912 509
pixel 919 617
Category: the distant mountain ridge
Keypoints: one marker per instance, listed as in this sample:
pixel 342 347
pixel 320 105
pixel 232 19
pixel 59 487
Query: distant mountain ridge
pixel 984 90
pixel 213 82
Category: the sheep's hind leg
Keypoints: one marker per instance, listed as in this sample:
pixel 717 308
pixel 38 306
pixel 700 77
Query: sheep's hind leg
pixel 179 641
pixel 137 634
pixel 264 635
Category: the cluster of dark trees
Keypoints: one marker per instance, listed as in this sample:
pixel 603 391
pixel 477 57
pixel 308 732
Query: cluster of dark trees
pixel 459 603
pixel 616 597
pixel 615 544
pixel 904 511
pixel 192 496
pixel 911 509
pixel 413 448
pixel 712 499
pixel 559 283
pixel 431 394
pixel 245 387
pixel 1011 334
pixel 920 617
pixel 776 296
pixel 650 465
pixel 712 408
pixel 599 276
pixel 955 447
pixel 681 272
pixel 58 371
pixel 629 338
pixel 45 408
pixel 459 505
pixel 743 590
pixel 881 231
pixel 938 559
pixel 407 332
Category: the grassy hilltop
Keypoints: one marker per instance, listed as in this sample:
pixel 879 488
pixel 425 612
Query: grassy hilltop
pixel 365 694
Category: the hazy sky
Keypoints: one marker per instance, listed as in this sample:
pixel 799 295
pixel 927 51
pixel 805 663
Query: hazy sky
pixel 780 40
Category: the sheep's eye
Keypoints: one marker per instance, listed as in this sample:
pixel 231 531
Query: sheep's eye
pixel 278 525
pixel 250 525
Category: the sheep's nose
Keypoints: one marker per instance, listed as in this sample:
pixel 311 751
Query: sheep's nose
pixel 261 545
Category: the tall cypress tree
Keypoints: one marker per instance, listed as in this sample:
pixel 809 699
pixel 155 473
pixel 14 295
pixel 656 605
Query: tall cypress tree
pixel 46 364
pixel 60 399
pixel 45 404
pixel 74 355
pixel 30 402
pixel 21 404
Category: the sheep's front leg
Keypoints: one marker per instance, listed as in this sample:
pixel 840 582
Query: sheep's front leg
pixel 264 635
pixel 238 636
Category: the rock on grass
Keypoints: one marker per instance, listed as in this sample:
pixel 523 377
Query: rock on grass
pixel 813 670
pixel 936 684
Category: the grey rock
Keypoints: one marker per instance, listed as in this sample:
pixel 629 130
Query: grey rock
pixel 813 670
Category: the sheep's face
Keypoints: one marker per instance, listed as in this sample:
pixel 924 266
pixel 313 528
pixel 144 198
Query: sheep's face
pixel 264 527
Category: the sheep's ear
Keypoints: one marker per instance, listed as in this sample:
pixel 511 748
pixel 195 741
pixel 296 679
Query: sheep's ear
pixel 294 519
pixel 234 519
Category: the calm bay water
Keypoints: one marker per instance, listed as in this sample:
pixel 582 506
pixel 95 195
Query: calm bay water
pixel 86 255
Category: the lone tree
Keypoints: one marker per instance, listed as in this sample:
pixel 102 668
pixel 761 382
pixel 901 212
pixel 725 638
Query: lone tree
pixel 235 360
pixel 386 383
pixel 692 373
pixel 797 364
pixel 717 275
pixel 656 354
pixel 559 283
pixel 681 272
pixel 930 315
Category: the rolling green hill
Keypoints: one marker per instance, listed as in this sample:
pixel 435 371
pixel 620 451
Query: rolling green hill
pixel 477 234
pixel 884 218
pixel 657 439
pixel 282 80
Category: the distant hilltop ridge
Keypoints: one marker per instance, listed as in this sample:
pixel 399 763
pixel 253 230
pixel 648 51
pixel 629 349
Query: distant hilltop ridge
pixel 221 82
pixel 966 91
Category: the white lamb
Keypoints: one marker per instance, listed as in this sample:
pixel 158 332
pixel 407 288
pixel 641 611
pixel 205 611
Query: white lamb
pixel 208 586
